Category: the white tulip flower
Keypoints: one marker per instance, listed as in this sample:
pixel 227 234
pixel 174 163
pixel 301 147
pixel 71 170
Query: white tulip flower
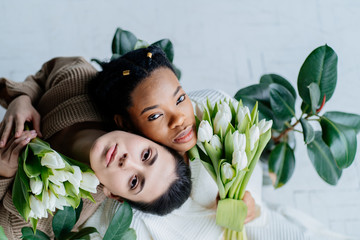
pixel 61 202
pixel 36 185
pixel 242 112
pixel 205 131
pixel 264 126
pixel 239 141
pixel 89 182
pixel 215 142
pixel 49 199
pixel 254 136
pixel 58 177
pixel 38 208
pixel 239 159
pixel 199 110
pixel 221 121
pixel 59 189
pixel 52 160
pixel 75 178
pixel 225 109
pixel 227 172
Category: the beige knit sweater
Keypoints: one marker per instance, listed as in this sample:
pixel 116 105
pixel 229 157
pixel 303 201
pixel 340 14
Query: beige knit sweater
pixel 59 92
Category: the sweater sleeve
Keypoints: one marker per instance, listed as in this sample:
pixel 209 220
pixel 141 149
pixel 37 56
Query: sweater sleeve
pixel 34 85
pixel 4 185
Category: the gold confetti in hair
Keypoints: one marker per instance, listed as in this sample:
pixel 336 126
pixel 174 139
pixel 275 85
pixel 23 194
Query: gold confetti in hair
pixel 149 54
pixel 126 72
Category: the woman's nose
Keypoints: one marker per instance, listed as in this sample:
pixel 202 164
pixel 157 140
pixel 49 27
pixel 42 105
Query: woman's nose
pixel 176 120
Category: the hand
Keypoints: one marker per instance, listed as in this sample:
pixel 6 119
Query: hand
pixel 250 203
pixel 10 153
pixel 19 111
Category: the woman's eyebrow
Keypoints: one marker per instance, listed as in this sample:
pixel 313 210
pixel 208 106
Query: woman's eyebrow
pixel 177 90
pixel 148 108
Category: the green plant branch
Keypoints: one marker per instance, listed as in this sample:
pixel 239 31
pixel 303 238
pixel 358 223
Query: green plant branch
pixel 283 133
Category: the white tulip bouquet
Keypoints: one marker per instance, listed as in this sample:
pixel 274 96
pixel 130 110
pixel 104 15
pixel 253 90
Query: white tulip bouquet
pixel 230 142
pixel 46 181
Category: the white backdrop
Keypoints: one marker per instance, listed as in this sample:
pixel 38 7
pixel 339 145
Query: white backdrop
pixel 225 45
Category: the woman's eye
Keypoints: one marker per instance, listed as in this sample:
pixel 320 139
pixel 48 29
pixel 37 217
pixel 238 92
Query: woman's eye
pixel 180 99
pixel 153 117
pixel 146 155
pixel 133 183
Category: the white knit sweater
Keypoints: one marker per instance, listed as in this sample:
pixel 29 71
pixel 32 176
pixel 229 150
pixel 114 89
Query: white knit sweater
pixel 196 218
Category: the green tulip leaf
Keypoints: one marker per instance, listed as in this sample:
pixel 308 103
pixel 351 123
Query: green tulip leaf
pixel 282 102
pixel 167 46
pixel 348 119
pixel 28 234
pixel 320 67
pixel 228 145
pixel 341 140
pixel 123 42
pixel 63 221
pixel 2 234
pixel 32 165
pixel 281 164
pixel 308 131
pixel 231 213
pixel 21 188
pixel 78 209
pixel 259 92
pixel 323 160
pixel 119 223
pixel 274 78
pixel 314 91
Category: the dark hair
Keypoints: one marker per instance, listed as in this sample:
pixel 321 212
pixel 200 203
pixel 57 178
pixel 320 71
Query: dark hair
pixel 178 192
pixel 111 89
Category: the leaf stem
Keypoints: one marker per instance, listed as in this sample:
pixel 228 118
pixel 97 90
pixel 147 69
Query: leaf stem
pixel 283 133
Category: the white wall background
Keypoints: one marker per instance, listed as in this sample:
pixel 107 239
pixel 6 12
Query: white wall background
pixel 225 45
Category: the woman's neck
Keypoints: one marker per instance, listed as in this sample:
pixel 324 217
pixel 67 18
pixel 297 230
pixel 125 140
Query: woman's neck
pixel 82 143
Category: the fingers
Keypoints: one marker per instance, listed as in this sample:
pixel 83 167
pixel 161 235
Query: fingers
pixel 36 124
pixel 6 132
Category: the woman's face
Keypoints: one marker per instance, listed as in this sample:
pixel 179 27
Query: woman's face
pixel 162 111
pixel 131 166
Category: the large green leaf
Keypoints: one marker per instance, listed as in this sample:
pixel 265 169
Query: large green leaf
pixel 341 140
pixel 323 160
pixel 274 78
pixel 120 222
pixel 129 234
pixel 281 164
pixel 84 232
pixel 282 102
pixel 63 222
pixel 32 165
pixel 308 131
pixel 320 67
pixel 123 42
pixel 348 119
pixel 167 46
pixel 140 44
pixel 259 92
pixel 314 92
pixel 264 112
pixel 28 234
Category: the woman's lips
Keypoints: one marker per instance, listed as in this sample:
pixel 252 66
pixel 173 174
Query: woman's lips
pixel 185 135
pixel 110 155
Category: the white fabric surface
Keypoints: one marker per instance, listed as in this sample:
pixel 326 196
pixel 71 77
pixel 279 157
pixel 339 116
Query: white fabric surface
pixel 196 218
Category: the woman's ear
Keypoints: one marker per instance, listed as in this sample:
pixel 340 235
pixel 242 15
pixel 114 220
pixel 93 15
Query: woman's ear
pixel 123 123
pixel 110 195
pixel 119 121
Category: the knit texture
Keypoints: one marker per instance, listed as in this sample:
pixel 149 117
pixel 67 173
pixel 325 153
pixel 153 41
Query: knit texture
pixel 59 93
